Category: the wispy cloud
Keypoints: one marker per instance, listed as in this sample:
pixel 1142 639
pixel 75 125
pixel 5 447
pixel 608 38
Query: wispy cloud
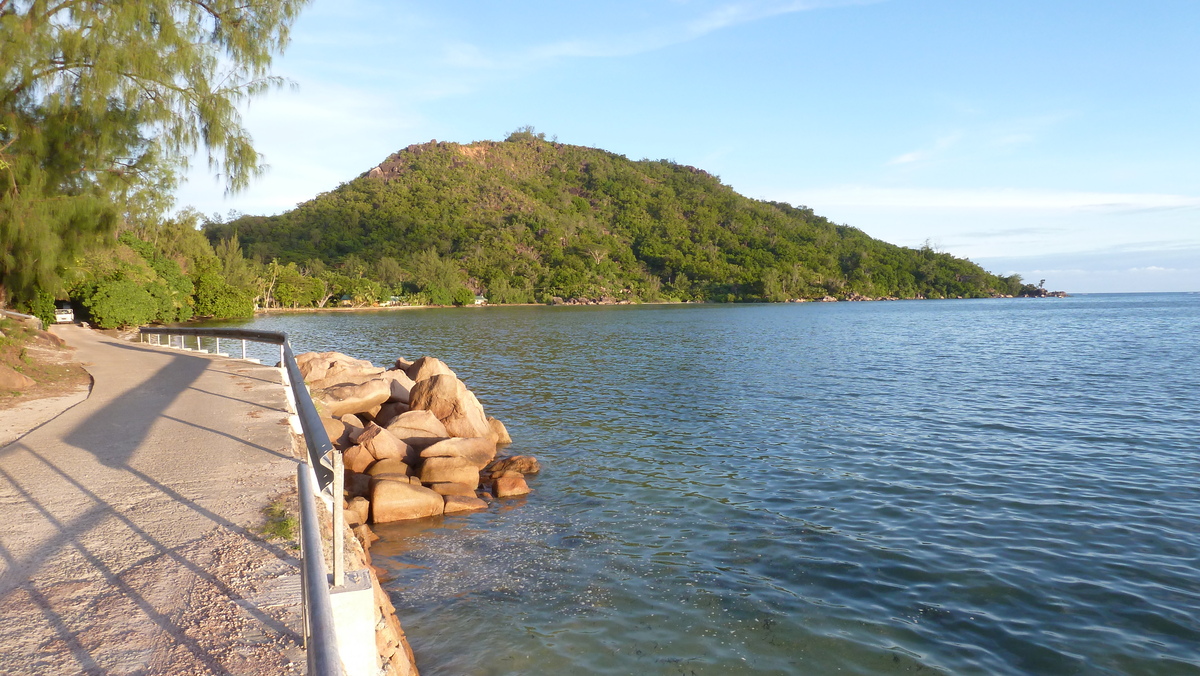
pixel 924 154
pixel 1012 199
pixel 641 41
pixel 972 139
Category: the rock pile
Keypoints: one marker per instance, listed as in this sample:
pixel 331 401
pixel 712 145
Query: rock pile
pixel 416 441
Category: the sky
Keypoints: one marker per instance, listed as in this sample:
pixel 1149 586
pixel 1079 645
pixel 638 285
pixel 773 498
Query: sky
pixel 1057 140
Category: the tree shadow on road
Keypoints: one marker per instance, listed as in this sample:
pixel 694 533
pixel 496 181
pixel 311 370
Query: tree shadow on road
pixel 114 435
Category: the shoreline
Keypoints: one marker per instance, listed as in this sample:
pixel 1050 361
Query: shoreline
pixel 589 303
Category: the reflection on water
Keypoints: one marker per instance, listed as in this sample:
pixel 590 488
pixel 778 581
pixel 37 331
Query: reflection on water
pixel 989 487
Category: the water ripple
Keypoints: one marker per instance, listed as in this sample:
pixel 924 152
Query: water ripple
pixel 965 487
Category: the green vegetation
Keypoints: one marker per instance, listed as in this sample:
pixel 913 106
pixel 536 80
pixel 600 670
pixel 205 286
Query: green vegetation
pixel 165 273
pixel 280 523
pixel 527 220
pixel 101 104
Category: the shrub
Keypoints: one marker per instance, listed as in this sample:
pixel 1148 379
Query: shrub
pixel 215 298
pixel 463 296
pixel 121 302
pixel 42 307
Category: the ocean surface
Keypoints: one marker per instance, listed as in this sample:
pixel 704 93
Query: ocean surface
pixel 935 487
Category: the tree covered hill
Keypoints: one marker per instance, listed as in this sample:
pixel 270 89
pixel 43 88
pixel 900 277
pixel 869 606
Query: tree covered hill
pixel 526 220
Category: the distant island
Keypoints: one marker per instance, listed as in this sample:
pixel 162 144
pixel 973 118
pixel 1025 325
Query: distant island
pixel 528 220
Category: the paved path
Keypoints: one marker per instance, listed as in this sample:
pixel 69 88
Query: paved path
pixel 126 523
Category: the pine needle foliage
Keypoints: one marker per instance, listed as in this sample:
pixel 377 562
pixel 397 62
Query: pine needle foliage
pixel 101 104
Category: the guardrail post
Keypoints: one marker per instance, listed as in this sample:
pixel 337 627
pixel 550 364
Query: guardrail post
pixel 339 518
pixel 243 350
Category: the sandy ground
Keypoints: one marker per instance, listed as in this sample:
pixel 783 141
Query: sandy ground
pixel 128 542
pixel 61 384
pixel 24 416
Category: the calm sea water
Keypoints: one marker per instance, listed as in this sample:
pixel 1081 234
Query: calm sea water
pixel 961 487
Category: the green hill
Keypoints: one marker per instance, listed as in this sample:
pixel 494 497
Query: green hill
pixel 526 220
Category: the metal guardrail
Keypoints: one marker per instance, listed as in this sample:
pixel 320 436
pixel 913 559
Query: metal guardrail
pixel 326 468
pixel 23 317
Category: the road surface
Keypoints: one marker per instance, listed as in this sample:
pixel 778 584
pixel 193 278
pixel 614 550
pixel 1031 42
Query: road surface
pixel 127 524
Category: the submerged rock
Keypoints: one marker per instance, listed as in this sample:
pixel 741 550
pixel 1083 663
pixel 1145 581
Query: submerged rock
pixel 509 484
pixel 463 503
pixel 525 464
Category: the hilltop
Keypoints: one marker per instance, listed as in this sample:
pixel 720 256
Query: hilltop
pixel 526 220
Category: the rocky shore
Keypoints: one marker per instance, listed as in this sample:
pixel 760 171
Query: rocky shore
pixel 416 440
pixel 416 444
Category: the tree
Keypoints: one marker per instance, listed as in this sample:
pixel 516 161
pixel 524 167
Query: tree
pixel 101 104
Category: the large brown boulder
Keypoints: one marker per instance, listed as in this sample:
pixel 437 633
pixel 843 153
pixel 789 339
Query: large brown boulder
pixel 382 444
pixel 463 503
pixel 449 399
pixel 342 399
pixel 357 510
pixel 396 501
pixel 357 485
pixel 10 380
pixel 316 365
pixel 451 470
pixel 509 484
pixel 341 373
pixel 422 420
pixel 451 488
pixel 389 412
pixel 427 367
pixel 339 433
pixel 499 431
pixel 355 424
pixel 388 466
pixel 525 464
pixel 357 459
pixel 418 428
pixel 401 384
pixel 478 450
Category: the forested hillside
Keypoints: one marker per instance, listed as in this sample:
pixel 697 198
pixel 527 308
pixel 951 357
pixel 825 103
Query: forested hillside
pixel 526 220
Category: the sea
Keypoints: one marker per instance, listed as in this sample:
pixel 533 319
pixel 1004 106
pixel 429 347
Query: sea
pixel 1001 486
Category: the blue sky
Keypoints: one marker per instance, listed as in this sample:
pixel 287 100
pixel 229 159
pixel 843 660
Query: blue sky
pixel 1053 139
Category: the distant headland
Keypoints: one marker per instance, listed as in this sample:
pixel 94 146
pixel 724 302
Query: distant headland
pixel 527 220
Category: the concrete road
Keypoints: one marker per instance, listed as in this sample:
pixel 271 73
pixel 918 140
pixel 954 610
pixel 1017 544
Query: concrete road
pixel 127 541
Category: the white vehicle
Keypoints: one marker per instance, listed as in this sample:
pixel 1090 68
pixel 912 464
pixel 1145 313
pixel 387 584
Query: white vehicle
pixel 63 314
